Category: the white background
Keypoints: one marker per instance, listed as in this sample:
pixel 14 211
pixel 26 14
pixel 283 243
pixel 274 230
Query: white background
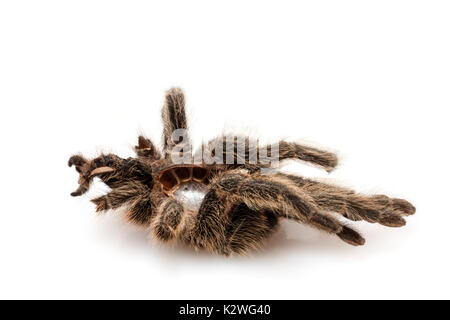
pixel 369 79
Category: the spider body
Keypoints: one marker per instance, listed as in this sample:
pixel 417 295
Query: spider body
pixel 226 207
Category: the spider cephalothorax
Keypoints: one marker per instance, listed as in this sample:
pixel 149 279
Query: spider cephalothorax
pixel 230 206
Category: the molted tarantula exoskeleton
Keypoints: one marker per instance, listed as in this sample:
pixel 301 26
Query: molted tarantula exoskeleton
pixel 221 198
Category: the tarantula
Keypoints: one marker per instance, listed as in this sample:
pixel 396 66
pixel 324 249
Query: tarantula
pixel 226 207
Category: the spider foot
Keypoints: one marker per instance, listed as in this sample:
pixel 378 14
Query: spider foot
pixel 403 207
pixel 78 161
pixel 380 209
pixel 392 219
pixel 351 236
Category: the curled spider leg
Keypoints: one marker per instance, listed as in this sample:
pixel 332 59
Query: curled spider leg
pixel 331 225
pixel 266 193
pixel 353 206
pixel 129 179
pixel 322 158
pixel 251 192
pixel 174 119
pixel 168 222
pixel 131 193
pixel 87 170
pixel 237 201
pixel 114 199
pixel 111 169
pixel 243 152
